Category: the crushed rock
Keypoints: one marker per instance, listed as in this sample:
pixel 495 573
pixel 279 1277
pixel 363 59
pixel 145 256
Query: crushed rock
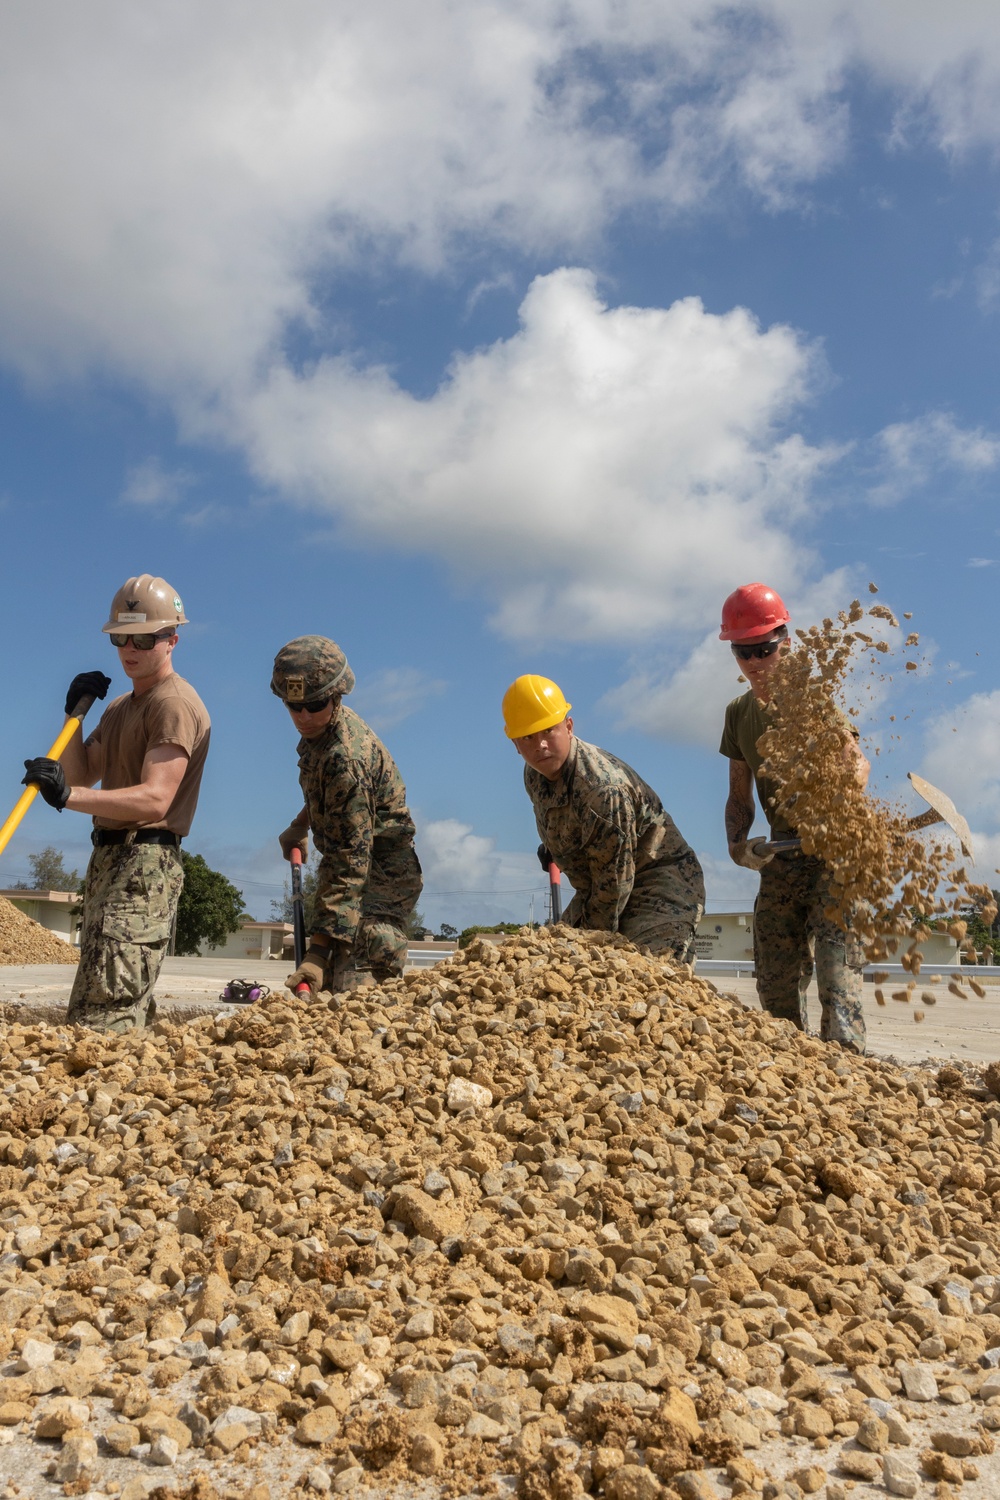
pixel 660 1233
pixel 24 941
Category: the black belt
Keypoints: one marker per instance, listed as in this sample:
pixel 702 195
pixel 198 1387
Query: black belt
pixel 101 836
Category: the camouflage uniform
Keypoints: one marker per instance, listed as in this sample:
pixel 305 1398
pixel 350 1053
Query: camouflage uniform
pixel 369 878
pixel 129 902
pixel 790 930
pixel 629 866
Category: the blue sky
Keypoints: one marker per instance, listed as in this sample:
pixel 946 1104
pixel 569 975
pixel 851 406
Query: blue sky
pixel 499 338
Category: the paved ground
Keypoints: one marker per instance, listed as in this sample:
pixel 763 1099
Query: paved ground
pixel 964 1029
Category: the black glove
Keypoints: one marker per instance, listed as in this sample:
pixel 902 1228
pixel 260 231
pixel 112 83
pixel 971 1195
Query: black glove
pixel 544 858
pixel 50 779
pixel 93 684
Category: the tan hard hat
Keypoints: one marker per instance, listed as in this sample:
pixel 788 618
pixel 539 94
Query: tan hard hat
pixel 147 602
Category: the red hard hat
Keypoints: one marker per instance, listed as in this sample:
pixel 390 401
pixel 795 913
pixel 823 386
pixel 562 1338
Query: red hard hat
pixel 751 611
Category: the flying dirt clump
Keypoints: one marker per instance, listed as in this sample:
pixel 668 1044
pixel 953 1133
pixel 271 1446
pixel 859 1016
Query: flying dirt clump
pixel 23 941
pixel 887 884
pixel 556 1210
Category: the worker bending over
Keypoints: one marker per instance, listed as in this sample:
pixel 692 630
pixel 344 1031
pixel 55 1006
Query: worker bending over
pixel 789 927
pixel 630 868
pixel 148 752
pixel 355 803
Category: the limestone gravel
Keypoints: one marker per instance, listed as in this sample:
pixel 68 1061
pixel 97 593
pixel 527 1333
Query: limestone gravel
pixel 23 941
pixel 658 1234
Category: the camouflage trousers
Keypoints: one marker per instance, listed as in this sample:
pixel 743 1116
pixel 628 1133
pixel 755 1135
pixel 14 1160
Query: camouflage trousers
pixel 377 949
pixel 790 933
pixel 662 917
pixel 129 901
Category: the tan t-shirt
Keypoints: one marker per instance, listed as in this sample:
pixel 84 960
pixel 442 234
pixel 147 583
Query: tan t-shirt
pixel 171 713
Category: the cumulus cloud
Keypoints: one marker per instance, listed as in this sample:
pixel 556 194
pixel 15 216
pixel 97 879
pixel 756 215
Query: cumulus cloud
pixel 960 756
pixel 913 454
pixel 388 697
pixel 644 451
pixel 177 180
pixel 468 880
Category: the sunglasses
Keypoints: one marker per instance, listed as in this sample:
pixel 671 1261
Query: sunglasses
pixel 140 642
pixel 314 706
pixel 758 652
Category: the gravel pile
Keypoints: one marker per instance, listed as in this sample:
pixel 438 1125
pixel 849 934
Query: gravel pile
pixel 553 1218
pixel 23 941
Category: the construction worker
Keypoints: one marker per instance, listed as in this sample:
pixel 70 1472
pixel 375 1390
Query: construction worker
pixel 369 877
pixel 148 753
pixel 630 868
pixel 790 929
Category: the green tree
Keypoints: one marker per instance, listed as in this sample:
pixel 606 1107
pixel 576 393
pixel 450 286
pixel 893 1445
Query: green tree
pixel 210 907
pixel 416 927
pixel 447 934
pixel 470 932
pixel 983 936
pixel 49 873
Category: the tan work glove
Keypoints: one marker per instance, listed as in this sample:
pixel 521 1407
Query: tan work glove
pixel 311 971
pixel 752 854
pixel 294 837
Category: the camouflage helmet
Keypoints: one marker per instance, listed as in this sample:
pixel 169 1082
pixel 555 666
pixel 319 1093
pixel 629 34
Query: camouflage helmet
pixel 146 601
pixel 311 667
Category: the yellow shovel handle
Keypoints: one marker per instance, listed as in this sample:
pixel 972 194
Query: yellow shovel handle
pixel 29 794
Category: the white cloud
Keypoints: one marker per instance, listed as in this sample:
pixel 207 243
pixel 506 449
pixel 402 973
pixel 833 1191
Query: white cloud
pixel 388 697
pixel 150 484
pixel 467 879
pixel 912 454
pixel 176 179
pixel 609 471
pixel 960 756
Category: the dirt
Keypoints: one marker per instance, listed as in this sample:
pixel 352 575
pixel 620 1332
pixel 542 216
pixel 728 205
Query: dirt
pixel 23 941
pixel 555 1217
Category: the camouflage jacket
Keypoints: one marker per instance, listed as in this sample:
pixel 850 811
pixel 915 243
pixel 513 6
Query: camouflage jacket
pixel 361 825
pixel 608 831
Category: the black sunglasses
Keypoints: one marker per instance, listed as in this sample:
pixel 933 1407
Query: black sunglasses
pixel 140 642
pixel 759 651
pixel 314 706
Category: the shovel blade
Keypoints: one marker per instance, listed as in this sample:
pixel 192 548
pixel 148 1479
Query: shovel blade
pixel 946 811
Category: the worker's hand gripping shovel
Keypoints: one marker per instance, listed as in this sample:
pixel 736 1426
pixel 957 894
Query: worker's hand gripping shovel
pixel 72 724
pixel 298 917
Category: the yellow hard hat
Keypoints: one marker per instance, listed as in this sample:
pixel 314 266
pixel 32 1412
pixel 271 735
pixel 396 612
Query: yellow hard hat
pixel 531 704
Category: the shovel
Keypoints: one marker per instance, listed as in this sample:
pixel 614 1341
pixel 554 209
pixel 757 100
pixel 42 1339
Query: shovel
pixel 555 892
pixel 941 810
pixel 298 916
pixel 28 796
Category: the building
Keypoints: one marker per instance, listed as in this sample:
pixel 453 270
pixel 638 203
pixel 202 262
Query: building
pixel 728 936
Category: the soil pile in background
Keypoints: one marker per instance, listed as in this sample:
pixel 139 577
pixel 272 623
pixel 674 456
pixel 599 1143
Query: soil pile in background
pixel 554 1210
pixel 23 941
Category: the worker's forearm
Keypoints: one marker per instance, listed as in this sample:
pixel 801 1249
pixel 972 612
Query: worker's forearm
pixel 74 761
pixel 131 804
pixel 739 818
